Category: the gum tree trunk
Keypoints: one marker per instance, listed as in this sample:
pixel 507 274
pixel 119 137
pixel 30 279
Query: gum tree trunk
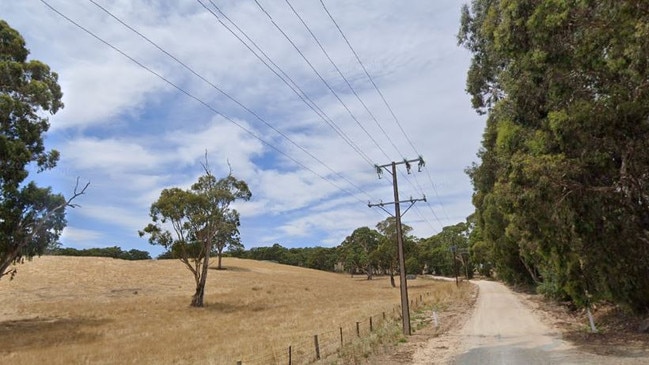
pixel 197 299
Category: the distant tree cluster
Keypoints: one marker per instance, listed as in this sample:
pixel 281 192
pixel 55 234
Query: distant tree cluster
pixel 319 258
pixel 562 186
pixel 114 252
pixel 374 252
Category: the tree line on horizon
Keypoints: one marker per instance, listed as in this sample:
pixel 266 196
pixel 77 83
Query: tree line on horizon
pixel 115 252
pixel 371 252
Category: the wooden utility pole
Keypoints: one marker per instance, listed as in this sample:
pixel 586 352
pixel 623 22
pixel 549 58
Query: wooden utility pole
pixel 405 309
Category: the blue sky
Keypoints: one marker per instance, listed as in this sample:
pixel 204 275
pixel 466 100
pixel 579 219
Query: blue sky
pixel 131 134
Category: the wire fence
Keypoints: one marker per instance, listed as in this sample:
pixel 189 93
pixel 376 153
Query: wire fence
pixel 320 346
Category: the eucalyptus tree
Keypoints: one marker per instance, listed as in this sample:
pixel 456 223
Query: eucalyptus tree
pixel 387 251
pixel 197 222
pixel 562 190
pixel 358 250
pixel 31 217
pixel 448 251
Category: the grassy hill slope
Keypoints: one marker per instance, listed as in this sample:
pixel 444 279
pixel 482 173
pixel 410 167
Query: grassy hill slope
pixel 64 310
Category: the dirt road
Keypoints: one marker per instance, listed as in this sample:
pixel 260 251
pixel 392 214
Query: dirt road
pixel 504 331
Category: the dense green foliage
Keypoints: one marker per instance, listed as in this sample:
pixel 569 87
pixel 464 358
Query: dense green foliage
pixel 359 251
pixel 319 258
pixel 114 252
pixel 202 223
pixel 447 253
pixel 31 218
pixel 374 252
pixel 561 191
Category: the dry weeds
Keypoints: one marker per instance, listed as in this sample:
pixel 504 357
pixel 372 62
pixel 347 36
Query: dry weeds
pixel 70 310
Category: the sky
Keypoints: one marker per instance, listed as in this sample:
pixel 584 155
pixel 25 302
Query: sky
pixel 153 87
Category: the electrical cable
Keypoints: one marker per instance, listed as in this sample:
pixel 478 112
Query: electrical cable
pixel 301 94
pixel 257 116
pixel 382 97
pixel 321 78
pixel 315 38
pixel 188 94
pixel 369 77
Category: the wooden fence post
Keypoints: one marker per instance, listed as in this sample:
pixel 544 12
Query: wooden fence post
pixel 290 355
pixel 371 327
pixel 238 362
pixel 317 347
pixel 358 329
pixel 341 337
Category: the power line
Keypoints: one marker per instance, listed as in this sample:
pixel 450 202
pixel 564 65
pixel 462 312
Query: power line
pixel 367 109
pixel 382 98
pixel 184 65
pixel 430 178
pixel 284 77
pixel 369 77
pixel 315 38
pixel 427 203
pixel 348 84
pixel 187 93
pixel 320 77
pixel 294 87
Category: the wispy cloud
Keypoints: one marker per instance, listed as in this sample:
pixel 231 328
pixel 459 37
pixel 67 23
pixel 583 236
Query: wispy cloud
pixel 132 134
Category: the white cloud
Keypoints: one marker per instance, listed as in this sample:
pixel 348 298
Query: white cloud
pixel 72 236
pixel 109 155
pixel 98 91
pixel 132 135
pixel 222 140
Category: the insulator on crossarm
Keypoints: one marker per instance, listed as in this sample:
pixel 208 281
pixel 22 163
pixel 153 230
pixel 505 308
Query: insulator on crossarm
pixel 420 164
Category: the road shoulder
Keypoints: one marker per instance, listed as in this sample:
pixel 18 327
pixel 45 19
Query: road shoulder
pixel 617 331
pixel 431 343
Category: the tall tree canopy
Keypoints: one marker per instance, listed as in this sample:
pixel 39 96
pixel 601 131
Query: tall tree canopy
pixel 388 248
pixel 561 191
pixel 202 222
pixel 31 218
pixel 447 252
pixel 358 250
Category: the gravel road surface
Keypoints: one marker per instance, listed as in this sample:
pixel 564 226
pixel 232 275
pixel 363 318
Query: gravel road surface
pixel 502 330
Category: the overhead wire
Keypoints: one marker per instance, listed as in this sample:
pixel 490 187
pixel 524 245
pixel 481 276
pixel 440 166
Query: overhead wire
pixel 321 78
pixel 378 90
pixel 197 99
pixel 209 106
pixel 351 88
pixel 331 61
pixel 368 75
pixel 284 77
pixel 227 95
pixel 315 38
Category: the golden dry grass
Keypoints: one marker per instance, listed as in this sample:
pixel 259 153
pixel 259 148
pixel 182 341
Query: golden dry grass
pixel 70 310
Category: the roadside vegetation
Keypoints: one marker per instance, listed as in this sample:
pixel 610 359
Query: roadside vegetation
pixel 561 186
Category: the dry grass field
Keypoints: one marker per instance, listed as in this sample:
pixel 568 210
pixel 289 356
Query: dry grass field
pixel 76 310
